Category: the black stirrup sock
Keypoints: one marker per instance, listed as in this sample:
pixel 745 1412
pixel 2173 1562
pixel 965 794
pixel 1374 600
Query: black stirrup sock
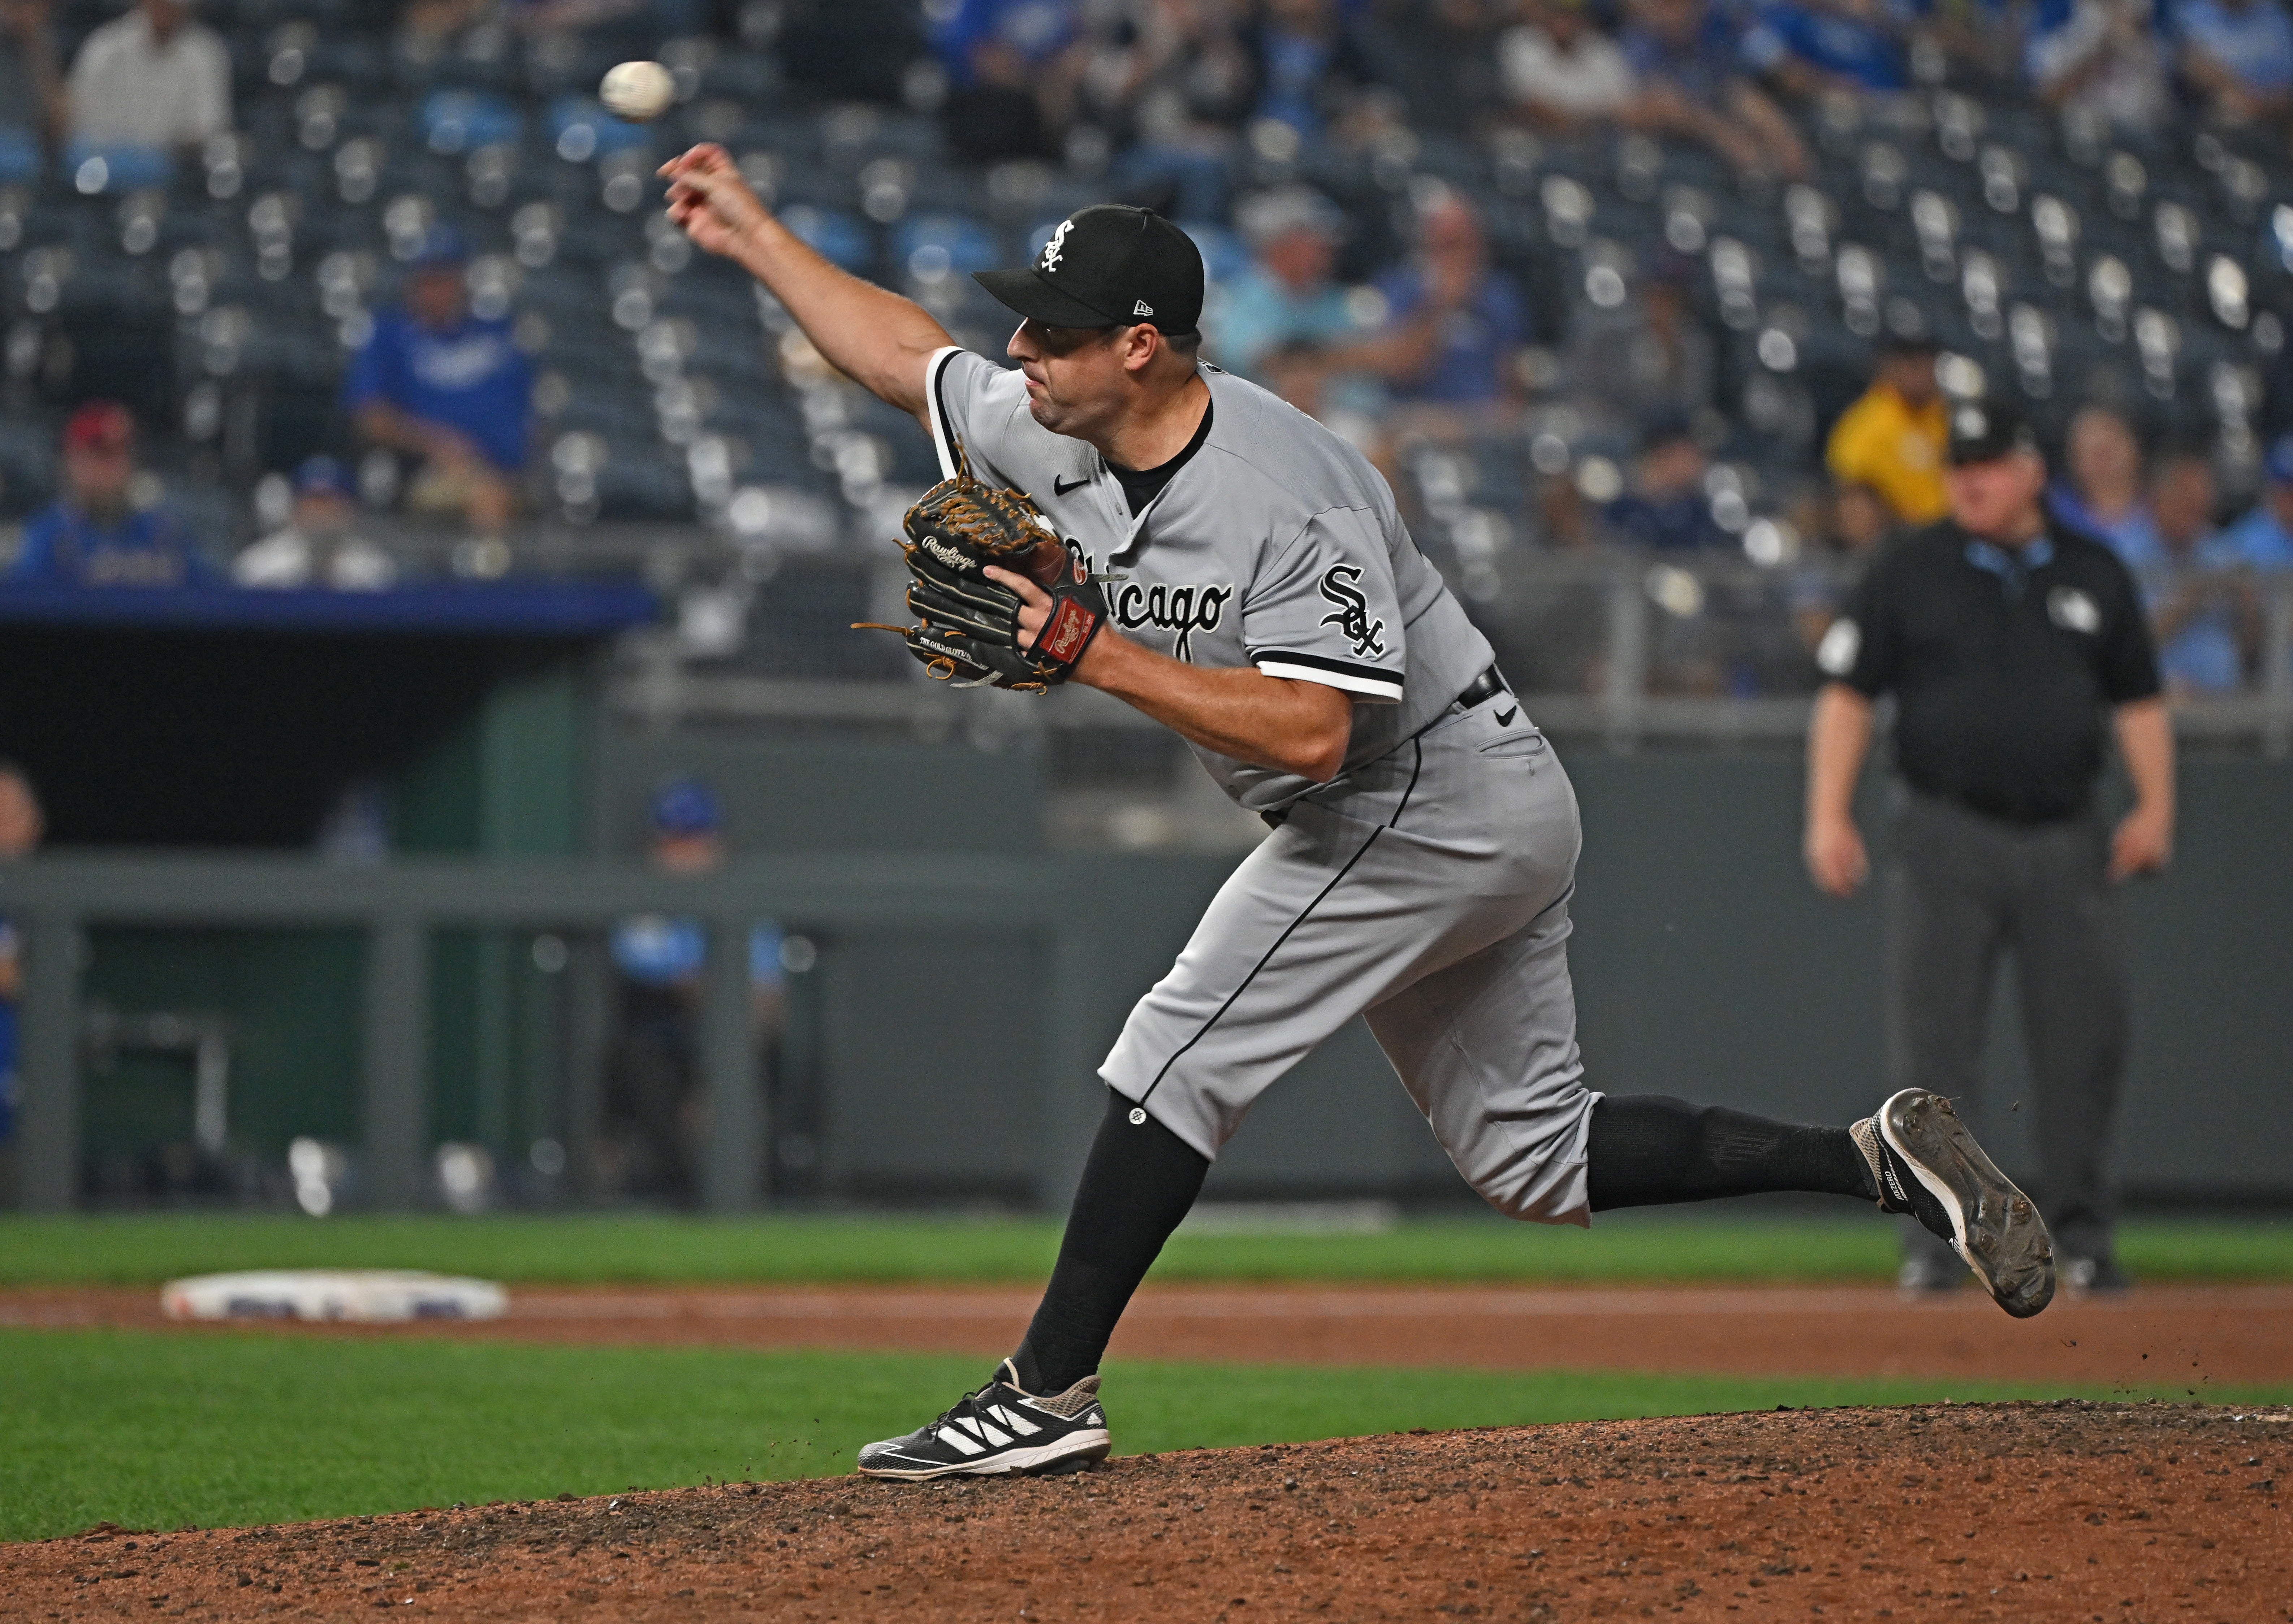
pixel 1139 1182
pixel 1649 1149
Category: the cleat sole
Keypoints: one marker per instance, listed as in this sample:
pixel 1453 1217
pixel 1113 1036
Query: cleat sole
pixel 1997 1230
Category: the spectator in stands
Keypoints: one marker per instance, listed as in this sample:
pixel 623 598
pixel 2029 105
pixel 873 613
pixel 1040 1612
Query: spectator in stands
pixel 2204 613
pixel 2103 56
pixel 1810 48
pixel 1892 438
pixel 1309 65
pixel 2103 496
pixel 317 543
pixel 21 826
pixel 1455 324
pixel 1688 60
pixel 1441 56
pixel 1280 316
pixel 1645 356
pixel 2264 538
pixel 1013 68
pixel 31 85
pixel 2236 57
pixel 1561 72
pixel 1170 82
pixel 449 388
pixel 654 1106
pixel 98 533
pixel 1666 505
pixel 153 79
pixel 1852 525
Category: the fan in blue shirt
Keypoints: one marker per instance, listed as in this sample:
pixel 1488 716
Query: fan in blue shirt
pixel 2263 538
pixel 1809 48
pixel 93 536
pixel 448 387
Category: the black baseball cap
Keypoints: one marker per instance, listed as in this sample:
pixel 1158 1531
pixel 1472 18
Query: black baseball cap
pixel 1986 430
pixel 1108 265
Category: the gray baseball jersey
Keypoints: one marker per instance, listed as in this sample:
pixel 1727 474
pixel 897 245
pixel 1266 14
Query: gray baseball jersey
pixel 1276 545
pixel 1427 888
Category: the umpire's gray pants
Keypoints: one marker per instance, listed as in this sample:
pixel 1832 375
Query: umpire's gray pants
pixel 1430 891
pixel 1963 888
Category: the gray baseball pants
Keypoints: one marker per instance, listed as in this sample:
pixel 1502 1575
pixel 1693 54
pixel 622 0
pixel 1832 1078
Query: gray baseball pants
pixel 1962 890
pixel 1429 891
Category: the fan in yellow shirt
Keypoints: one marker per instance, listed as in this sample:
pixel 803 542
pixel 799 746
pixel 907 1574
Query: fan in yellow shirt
pixel 1892 439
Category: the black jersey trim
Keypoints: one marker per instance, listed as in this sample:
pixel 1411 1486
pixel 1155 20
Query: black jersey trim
pixel 1416 768
pixel 936 401
pixel 1376 679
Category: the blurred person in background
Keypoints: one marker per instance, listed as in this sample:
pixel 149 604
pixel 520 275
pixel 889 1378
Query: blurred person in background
pixel 21 827
pixel 2103 495
pixel 1456 322
pixel 154 79
pixel 2236 58
pixel 1891 438
pixel 2100 56
pixel 1013 69
pixel 317 544
pixel 1852 523
pixel 1686 57
pixel 1309 64
pixel 2014 647
pixel 656 1105
pixel 1645 357
pixel 1441 57
pixel 97 533
pixel 1561 72
pixel 1665 506
pixel 2204 616
pixel 1286 307
pixel 447 388
pixel 31 84
pixel 2263 539
pixel 1170 82
pixel 1811 48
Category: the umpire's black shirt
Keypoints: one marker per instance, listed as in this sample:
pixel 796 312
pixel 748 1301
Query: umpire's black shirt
pixel 2005 663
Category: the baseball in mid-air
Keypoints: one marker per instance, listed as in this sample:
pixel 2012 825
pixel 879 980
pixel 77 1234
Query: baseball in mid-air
pixel 637 91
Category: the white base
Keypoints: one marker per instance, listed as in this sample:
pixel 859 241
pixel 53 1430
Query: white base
pixel 368 1296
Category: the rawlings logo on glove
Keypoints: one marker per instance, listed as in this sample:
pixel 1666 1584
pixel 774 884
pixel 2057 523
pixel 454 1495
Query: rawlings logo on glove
pixel 968 630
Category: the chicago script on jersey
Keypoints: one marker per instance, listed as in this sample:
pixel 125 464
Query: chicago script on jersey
pixel 1182 610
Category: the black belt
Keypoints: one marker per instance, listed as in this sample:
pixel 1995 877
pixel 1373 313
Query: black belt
pixel 1486 686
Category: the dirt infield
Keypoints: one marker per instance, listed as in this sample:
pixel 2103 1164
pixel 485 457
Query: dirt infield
pixel 2152 1337
pixel 2024 1512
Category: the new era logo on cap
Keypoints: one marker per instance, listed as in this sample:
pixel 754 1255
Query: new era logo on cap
pixel 1106 266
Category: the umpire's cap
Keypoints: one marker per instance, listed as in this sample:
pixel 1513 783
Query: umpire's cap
pixel 1108 265
pixel 1986 430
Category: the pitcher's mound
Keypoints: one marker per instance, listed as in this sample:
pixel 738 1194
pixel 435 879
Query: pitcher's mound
pixel 1956 1512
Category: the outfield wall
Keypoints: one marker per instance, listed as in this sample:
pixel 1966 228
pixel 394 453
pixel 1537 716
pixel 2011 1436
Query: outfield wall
pixel 1705 967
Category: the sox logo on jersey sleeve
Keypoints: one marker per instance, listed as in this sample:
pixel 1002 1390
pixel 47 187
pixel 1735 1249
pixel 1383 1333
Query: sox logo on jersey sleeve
pixel 1352 617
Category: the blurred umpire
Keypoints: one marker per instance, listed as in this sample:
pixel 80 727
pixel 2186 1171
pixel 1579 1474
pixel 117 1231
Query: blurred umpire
pixel 2007 641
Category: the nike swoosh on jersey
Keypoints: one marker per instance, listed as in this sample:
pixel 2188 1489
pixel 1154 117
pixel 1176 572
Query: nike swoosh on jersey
pixel 1505 717
pixel 1060 488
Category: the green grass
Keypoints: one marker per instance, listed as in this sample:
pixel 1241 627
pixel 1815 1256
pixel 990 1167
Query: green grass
pixel 157 1431
pixel 1626 1247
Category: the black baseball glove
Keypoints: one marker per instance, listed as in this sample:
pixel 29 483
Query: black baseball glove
pixel 968 626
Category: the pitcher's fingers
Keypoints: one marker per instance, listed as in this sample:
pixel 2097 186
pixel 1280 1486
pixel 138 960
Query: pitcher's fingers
pixel 702 155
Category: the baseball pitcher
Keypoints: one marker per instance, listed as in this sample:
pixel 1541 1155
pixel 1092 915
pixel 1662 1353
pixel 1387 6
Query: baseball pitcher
pixel 1240 574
